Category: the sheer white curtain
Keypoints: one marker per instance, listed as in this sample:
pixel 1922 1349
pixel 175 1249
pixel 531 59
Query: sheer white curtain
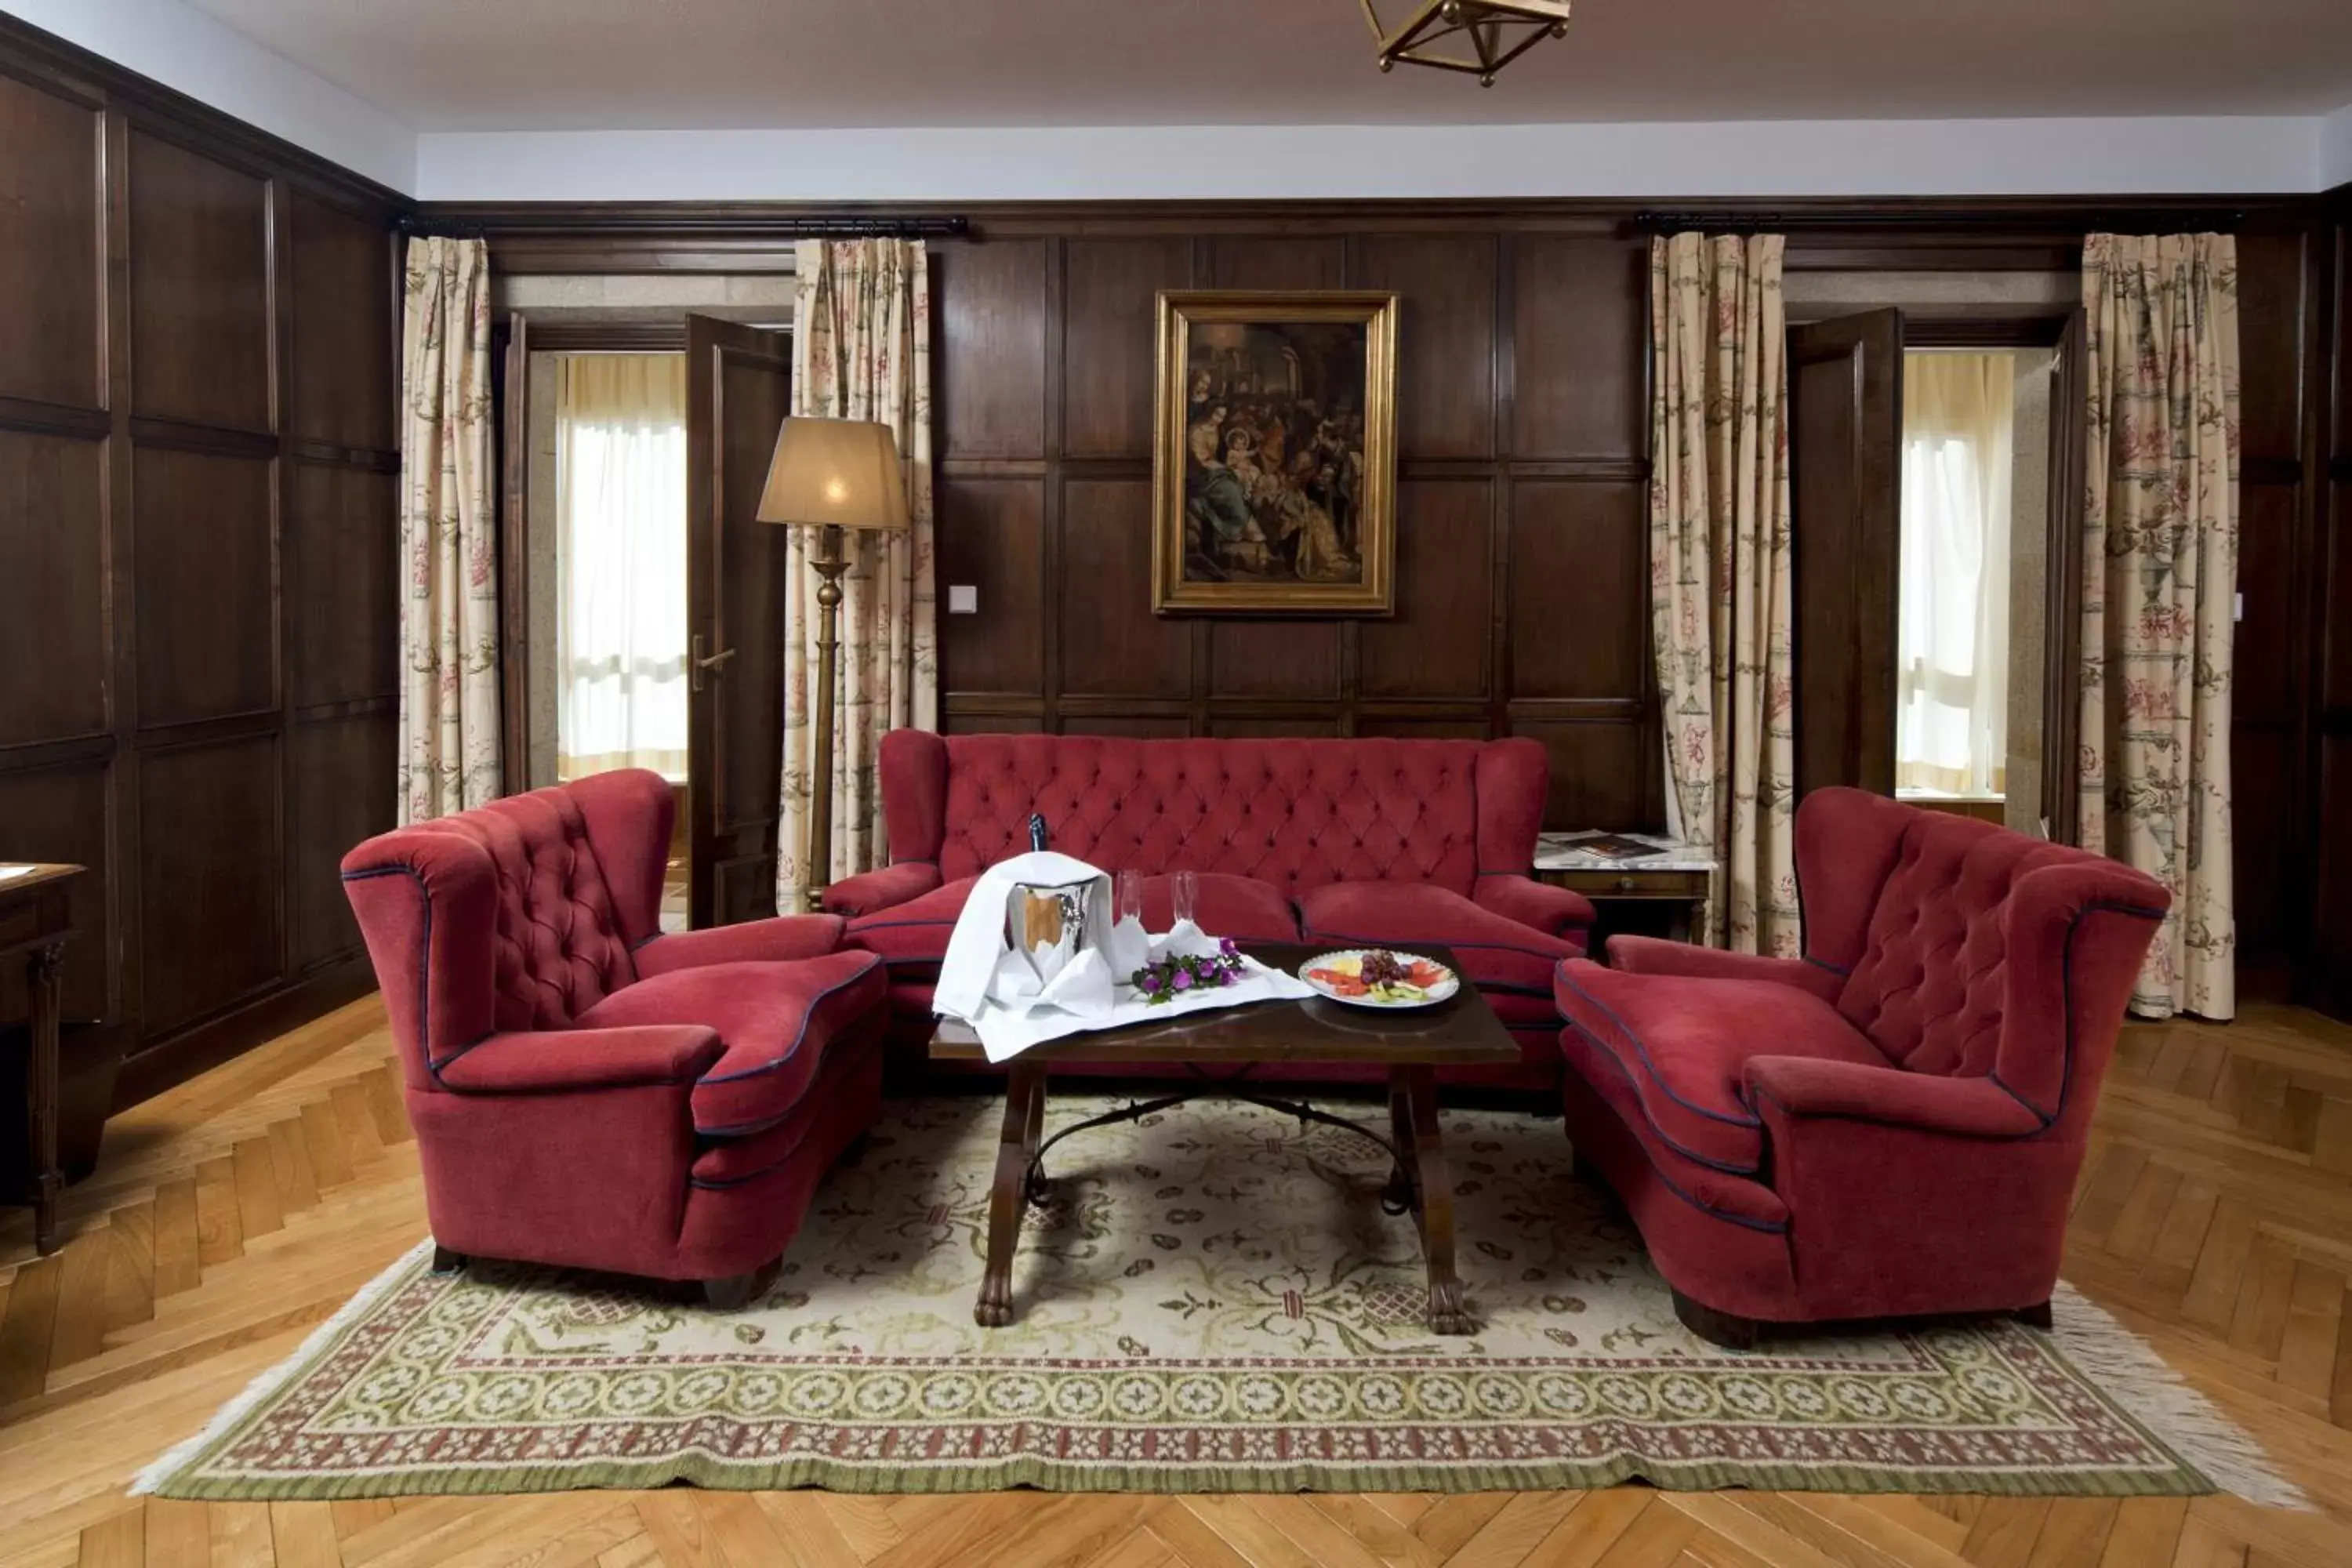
pixel 1952 642
pixel 620 635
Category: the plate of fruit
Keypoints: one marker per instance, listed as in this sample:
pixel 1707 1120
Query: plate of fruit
pixel 1376 977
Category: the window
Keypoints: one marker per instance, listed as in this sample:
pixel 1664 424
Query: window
pixel 1951 735
pixel 621 688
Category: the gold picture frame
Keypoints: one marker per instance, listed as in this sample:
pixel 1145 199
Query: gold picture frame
pixel 1274 453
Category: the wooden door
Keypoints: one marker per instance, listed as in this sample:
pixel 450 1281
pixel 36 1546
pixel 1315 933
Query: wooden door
pixel 510 404
pixel 1846 466
pixel 2062 628
pixel 738 379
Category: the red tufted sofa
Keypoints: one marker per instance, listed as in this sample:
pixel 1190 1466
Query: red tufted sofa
pixel 587 1091
pixel 1349 842
pixel 1890 1125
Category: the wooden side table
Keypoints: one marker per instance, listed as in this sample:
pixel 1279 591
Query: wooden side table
pixel 1676 880
pixel 35 919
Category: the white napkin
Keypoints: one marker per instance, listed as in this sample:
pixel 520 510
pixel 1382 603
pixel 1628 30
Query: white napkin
pixel 1129 948
pixel 986 983
pixel 971 973
pixel 1186 941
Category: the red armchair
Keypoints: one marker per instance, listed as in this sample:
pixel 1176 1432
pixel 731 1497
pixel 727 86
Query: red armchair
pixel 587 1091
pixel 1890 1125
pixel 1341 842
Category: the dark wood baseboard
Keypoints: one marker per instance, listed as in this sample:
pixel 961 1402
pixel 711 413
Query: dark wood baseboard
pixel 176 1059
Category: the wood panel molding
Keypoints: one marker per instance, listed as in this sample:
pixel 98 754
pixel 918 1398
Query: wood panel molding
pixel 1522 604
pixel 76 76
pixel 197 452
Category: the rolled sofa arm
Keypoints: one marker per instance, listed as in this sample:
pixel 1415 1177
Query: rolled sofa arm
pixel 1792 1090
pixel 1655 955
pixel 872 890
pixel 570 1062
pixel 776 940
pixel 1555 912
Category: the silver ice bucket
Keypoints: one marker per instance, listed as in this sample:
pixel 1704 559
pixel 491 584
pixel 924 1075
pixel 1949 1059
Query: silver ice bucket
pixel 1046 925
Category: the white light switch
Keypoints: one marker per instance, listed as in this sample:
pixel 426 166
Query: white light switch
pixel 964 599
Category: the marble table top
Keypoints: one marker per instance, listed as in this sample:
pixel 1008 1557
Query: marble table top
pixel 1559 852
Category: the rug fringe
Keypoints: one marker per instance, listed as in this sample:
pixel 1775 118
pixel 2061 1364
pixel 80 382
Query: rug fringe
pixel 2127 1369
pixel 180 1455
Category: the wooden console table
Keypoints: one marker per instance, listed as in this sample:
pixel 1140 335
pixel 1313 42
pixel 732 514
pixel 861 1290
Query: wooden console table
pixel 1676 878
pixel 35 919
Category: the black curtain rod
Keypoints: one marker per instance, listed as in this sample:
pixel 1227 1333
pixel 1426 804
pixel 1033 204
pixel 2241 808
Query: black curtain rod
pixel 424 229
pixel 587 219
pixel 2057 220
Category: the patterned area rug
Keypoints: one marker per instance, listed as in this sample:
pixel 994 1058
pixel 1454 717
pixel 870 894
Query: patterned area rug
pixel 1213 1300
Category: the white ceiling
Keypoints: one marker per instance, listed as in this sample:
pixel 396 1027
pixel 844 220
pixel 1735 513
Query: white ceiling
pixel 562 65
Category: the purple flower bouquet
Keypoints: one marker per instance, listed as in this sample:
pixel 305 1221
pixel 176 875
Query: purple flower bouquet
pixel 1172 977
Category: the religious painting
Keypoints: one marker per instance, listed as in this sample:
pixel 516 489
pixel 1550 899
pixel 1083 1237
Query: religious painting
pixel 1274 456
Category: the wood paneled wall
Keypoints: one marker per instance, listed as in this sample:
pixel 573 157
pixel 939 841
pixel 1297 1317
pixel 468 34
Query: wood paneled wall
pixel 198 513
pixel 1523 599
pixel 2282 276
pixel 2327 961
pixel 1522 425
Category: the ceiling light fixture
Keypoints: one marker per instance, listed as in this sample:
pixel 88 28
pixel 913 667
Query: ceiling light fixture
pixel 1499 31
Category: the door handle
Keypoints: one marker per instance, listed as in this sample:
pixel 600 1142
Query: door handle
pixel 699 662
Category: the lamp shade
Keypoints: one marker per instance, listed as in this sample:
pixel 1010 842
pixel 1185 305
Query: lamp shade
pixel 844 472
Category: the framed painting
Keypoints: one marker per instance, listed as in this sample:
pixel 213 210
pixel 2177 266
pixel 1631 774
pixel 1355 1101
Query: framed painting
pixel 1273 467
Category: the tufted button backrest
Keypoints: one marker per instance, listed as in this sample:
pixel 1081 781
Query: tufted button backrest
pixel 556 950
pixel 1931 984
pixel 1296 813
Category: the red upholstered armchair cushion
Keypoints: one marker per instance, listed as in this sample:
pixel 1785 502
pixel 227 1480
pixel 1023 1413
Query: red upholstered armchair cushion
pixel 1555 912
pixel 1974 940
pixel 555 942
pixel 883 888
pixel 772 1019
pixel 1295 814
pixel 1685 1048
pixel 1929 982
pixel 782 939
pixel 563 1061
pixel 523 916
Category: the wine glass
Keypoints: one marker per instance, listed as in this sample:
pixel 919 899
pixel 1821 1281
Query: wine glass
pixel 1129 889
pixel 1186 888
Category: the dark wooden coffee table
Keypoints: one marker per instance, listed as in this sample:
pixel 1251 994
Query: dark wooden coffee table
pixel 1461 1032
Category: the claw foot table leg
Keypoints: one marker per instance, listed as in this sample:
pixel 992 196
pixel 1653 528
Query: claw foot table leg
pixel 1016 1146
pixel 1413 1107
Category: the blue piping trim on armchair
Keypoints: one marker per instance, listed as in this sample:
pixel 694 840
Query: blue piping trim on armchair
pixel 2048 1118
pixel 745 1129
pixel 1695 1157
pixel 1769 1228
pixel 1649 1066
pixel 424 967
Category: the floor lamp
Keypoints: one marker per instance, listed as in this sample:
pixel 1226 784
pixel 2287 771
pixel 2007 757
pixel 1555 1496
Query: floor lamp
pixel 831 474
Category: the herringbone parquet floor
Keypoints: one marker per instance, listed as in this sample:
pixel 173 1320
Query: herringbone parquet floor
pixel 235 1214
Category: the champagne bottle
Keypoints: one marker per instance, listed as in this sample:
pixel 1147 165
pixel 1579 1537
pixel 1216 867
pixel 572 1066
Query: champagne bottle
pixel 1037 831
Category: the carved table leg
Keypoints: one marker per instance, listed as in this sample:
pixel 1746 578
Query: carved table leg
pixel 1434 1189
pixel 1017 1145
pixel 43 973
pixel 1397 1196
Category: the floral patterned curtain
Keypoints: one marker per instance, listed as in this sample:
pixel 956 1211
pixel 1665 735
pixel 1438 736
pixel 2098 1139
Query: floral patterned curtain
pixel 449 739
pixel 861 350
pixel 1719 572
pixel 2159 573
